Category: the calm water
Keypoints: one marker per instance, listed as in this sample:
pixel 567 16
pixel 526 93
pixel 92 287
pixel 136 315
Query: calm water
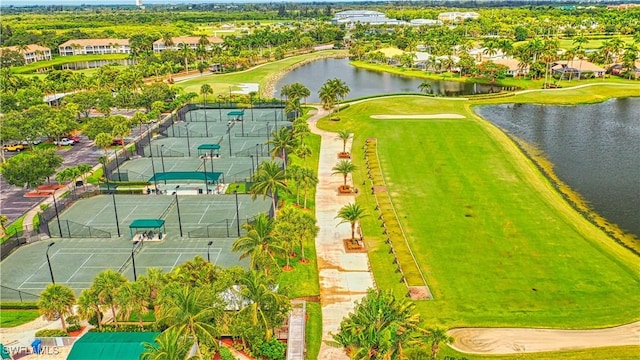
pixel 594 148
pixel 365 82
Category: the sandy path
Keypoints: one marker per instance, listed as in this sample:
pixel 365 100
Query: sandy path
pixel 419 116
pixel 514 340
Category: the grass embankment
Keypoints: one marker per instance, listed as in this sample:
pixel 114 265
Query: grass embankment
pixel 507 82
pixel 262 74
pixel 61 60
pixel 499 246
pixel 303 281
pixel 15 314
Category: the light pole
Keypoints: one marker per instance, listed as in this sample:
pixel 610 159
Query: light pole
pixel 115 210
pixel 211 160
pixel 237 212
pixel 55 205
pixel 153 165
pixel 204 167
pixel 229 133
pixel 251 170
pixel 268 138
pixel 49 262
pixel 186 127
pixel 178 208
pixel 209 247
pixel 257 157
pixel 133 260
pixel 162 160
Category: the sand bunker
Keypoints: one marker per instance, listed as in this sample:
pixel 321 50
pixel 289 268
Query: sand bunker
pixel 419 116
pixel 512 341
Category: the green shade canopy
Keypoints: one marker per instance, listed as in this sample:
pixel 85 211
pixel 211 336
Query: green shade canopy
pixel 209 147
pixel 146 224
pixel 235 113
pixel 186 175
pixel 107 346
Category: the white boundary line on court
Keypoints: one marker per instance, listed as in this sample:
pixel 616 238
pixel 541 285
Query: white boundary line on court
pixel 79 267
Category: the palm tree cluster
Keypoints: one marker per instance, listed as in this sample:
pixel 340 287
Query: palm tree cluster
pixel 190 304
pixel 269 241
pixel 333 91
pixel 385 327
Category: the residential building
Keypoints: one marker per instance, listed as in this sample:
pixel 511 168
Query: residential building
pixel 514 67
pixel 31 53
pixel 94 46
pixel 358 13
pixel 576 68
pixel 455 16
pixel 191 41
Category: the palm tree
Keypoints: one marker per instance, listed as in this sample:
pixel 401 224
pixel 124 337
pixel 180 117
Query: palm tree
pixel 425 87
pixel 304 224
pixel 300 130
pixel 133 297
pixel 106 285
pixel 154 281
pixel 57 300
pixel 170 345
pixel 283 142
pixel 167 39
pixel 89 305
pixel 327 96
pixel 303 151
pixel 344 135
pixel 351 213
pixel 436 337
pixel 103 141
pixel 193 314
pixel 259 244
pixel 267 308
pixel 4 219
pixel 309 179
pixel 344 167
pixel 270 179
pixel 187 53
pixel 339 89
pixel 380 327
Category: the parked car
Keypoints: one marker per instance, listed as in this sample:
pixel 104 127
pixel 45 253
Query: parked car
pixel 76 139
pixel 117 142
pixel 14 147
pixel 64 142
pixel 34 142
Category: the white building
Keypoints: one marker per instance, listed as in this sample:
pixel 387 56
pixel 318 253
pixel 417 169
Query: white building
pixel 31 53
pixel 191 41
pixel 424 22
pixel 352 17
pixel 456 16
pixel 94 46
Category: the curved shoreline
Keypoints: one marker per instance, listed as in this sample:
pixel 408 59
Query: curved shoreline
pixel 270 84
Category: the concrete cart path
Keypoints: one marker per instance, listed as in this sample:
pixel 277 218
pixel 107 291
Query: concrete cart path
pixel 344 277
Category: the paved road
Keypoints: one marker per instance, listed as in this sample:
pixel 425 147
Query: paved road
pixel 13 204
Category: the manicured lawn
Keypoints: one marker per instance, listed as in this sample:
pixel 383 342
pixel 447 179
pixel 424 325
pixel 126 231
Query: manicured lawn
pixel 59 60
pixel 498 245
pixel 11 318
pixel 313 330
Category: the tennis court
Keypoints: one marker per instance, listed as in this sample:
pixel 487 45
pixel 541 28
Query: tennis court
pixel 76 261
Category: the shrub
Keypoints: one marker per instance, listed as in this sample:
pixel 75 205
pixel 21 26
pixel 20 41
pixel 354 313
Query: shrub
pixel 18 306
pixel 74 327
pixel 51 333
pixel 225 354
pixel 272 349
pixel 73 320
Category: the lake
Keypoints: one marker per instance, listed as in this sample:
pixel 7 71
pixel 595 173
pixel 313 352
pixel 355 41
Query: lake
pixel 595 149
pixel 366 82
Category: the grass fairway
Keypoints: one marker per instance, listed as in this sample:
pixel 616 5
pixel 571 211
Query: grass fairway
pixel 498 245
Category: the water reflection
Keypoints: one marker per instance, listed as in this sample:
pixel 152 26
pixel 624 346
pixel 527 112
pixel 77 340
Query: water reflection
pixel 594 148
pixel 366 83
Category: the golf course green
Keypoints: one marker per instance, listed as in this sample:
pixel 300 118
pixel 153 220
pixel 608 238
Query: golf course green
pixel 498 245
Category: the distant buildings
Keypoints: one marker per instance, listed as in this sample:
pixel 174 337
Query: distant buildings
pixel 94 46
pixel 424 22
pixel 456 16
pixel 352 17
pixel 31 53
